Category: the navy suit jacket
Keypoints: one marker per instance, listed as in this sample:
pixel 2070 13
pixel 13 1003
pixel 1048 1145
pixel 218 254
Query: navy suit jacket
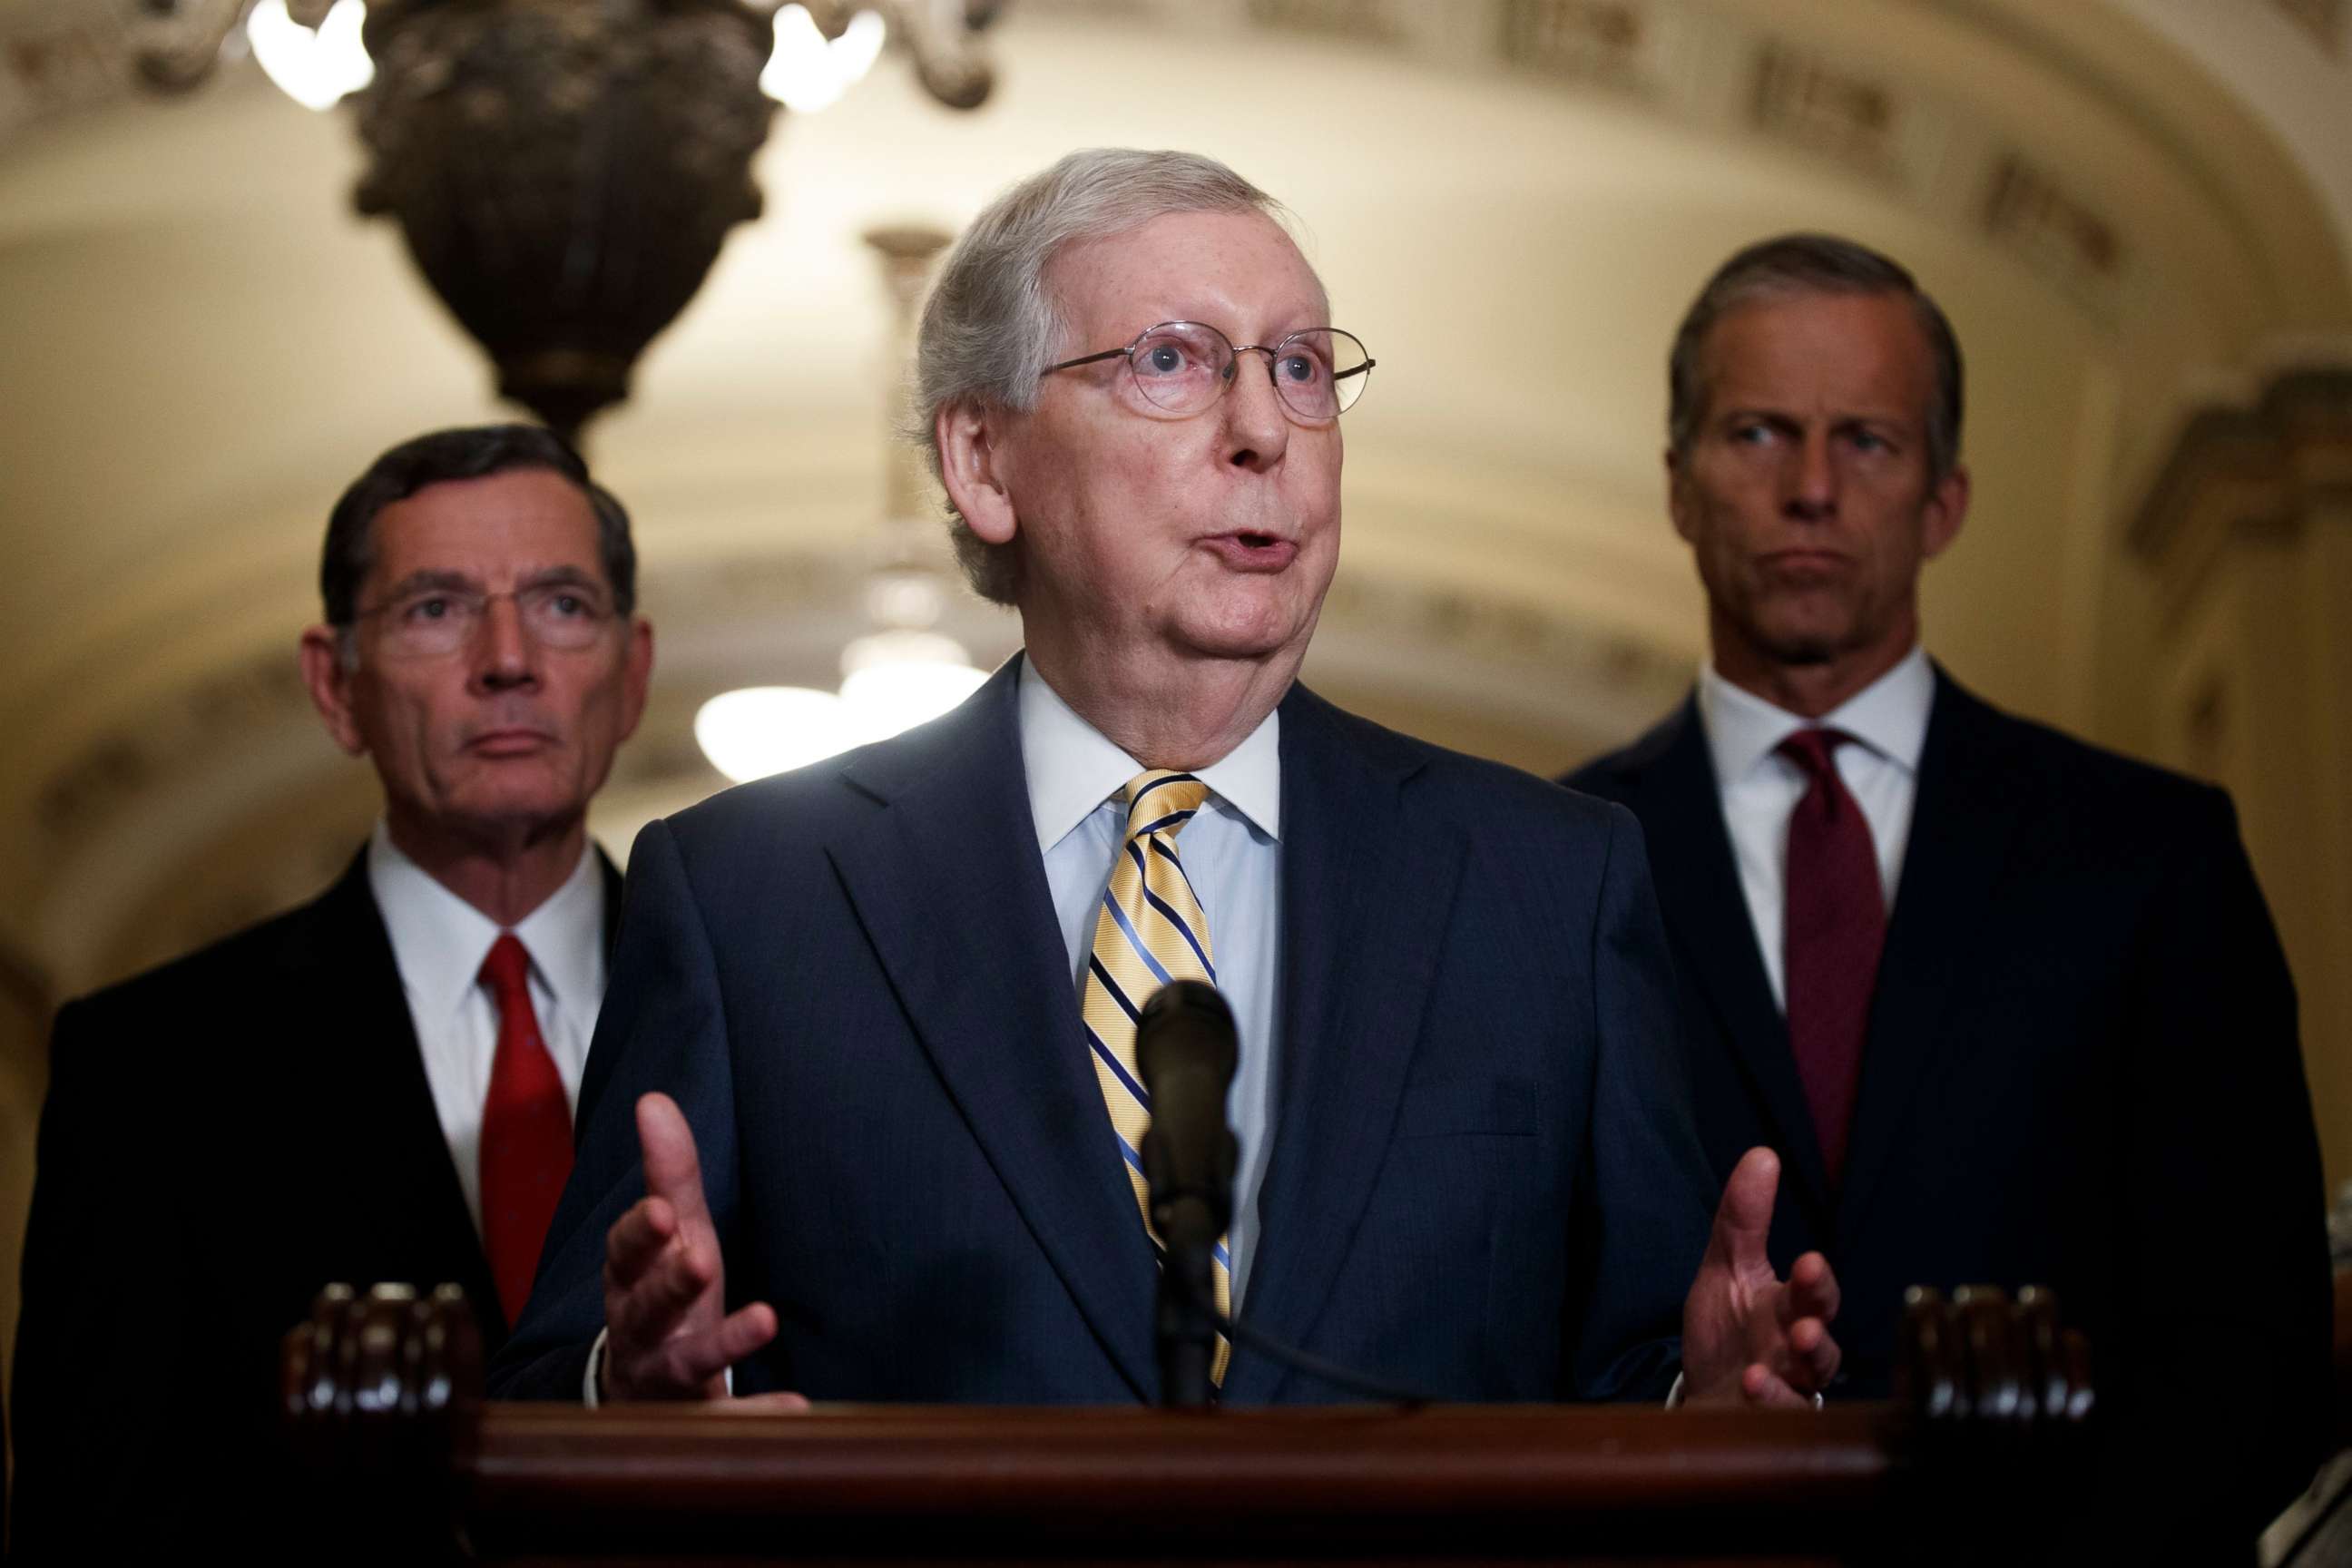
pixel 1484 1181
pixel 2081 1071
pixel 222 1136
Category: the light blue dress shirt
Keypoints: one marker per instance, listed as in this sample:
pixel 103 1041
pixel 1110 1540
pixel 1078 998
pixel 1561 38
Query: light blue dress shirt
pixel 1232 857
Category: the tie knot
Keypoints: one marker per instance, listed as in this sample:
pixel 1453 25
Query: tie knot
pixel 507 970
pixel 1161 802
pixel 1813 749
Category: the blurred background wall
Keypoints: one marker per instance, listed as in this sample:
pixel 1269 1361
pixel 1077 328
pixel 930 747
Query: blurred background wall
pixel 2138 212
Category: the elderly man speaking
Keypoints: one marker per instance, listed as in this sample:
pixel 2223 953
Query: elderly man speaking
pixel 861 1112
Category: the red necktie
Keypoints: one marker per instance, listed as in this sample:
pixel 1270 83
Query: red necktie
pixel 526 1132
pixel 1835 927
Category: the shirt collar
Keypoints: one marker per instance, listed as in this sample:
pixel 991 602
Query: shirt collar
pixel 1889 716
pixel 1074 768
pixel 438 940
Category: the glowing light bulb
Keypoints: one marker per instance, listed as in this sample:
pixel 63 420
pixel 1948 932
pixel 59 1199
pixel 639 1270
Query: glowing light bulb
pixel 760 730
pixel 313 69
pixel 807 71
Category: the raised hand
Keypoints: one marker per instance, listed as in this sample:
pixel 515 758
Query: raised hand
pixel 1748 1335
pixel 668 1334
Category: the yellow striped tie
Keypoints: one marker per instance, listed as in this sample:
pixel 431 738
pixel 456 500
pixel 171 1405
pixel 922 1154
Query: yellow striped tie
pixel 1152 931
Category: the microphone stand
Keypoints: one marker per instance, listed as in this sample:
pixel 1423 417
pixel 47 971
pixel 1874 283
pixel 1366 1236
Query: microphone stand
pixel 1187 1315
pixel 1185 1047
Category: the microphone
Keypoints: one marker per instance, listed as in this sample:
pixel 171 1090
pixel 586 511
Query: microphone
pixel 1184 1044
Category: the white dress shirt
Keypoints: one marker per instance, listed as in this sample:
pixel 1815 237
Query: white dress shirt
pixel 1760 787
pixel 1232 858
pixel 438 943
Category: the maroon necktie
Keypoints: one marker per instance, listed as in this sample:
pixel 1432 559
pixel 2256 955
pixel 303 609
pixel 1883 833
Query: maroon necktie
pixel 526 1132
pixel 1835 926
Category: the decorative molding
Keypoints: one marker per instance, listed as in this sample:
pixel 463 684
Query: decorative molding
pixel 1718 70
pixel 1600 43
pixel 2032 211
pixel 2292 446
pixel 1358 21
pixel 115 771
pixel 2323 19
pixel 1499 631
pixel 60 59
pixel 2258 470
pixel 1821 105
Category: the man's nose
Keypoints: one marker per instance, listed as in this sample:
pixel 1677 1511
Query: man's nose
pixel 504 652
pixel 1812 478
pixel 1257 429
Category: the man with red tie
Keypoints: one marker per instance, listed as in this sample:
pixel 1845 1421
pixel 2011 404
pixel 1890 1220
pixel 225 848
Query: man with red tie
pixel 2010 1007
pixel 377 1086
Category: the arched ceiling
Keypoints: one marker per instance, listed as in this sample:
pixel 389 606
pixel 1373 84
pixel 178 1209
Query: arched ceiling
pixel 1511 202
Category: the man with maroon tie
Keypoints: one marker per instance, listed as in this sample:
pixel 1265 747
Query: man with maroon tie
pixel 378 1085
pixel 2010 1007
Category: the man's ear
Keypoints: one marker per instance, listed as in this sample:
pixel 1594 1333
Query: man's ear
pixel 1948 507
pixel 971 469
pixel 330 680
pixel 1679 501
pixel 636 673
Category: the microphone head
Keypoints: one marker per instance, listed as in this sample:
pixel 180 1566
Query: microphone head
pixel 1186 1023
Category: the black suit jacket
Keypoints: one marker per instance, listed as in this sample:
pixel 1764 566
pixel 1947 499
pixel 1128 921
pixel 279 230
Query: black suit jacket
pixel 2081 1071
pixel 1484 1181
pixel 222 1136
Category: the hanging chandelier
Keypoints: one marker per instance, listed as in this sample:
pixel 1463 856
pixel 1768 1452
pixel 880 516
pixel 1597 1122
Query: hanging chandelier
pixel 565 171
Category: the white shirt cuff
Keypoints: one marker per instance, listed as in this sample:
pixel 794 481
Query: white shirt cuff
pixel 596 1364
pixel 1674 1394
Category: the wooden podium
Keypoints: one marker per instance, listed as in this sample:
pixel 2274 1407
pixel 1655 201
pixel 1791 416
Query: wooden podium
pixel 383 1392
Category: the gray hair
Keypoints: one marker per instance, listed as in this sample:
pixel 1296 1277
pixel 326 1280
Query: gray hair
pixel 991 325
pixel 1810 263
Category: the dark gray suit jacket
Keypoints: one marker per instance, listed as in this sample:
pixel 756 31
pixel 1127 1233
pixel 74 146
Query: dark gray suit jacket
pixel 222 1136
pixel 2081 1071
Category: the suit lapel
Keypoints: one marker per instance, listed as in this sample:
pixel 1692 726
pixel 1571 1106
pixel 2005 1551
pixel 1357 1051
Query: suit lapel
pixel 1961 820
pixel 1698 884
pixel 346 957
pixel 613 887
pixel 948 884
pixel 1366 892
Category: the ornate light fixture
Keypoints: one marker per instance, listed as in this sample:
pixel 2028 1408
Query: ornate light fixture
pixel 903 672
pixel 565 172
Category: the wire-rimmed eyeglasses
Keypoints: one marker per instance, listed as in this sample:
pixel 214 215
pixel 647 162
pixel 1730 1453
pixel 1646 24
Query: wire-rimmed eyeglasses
pixel 436 621
pixel 1182 367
